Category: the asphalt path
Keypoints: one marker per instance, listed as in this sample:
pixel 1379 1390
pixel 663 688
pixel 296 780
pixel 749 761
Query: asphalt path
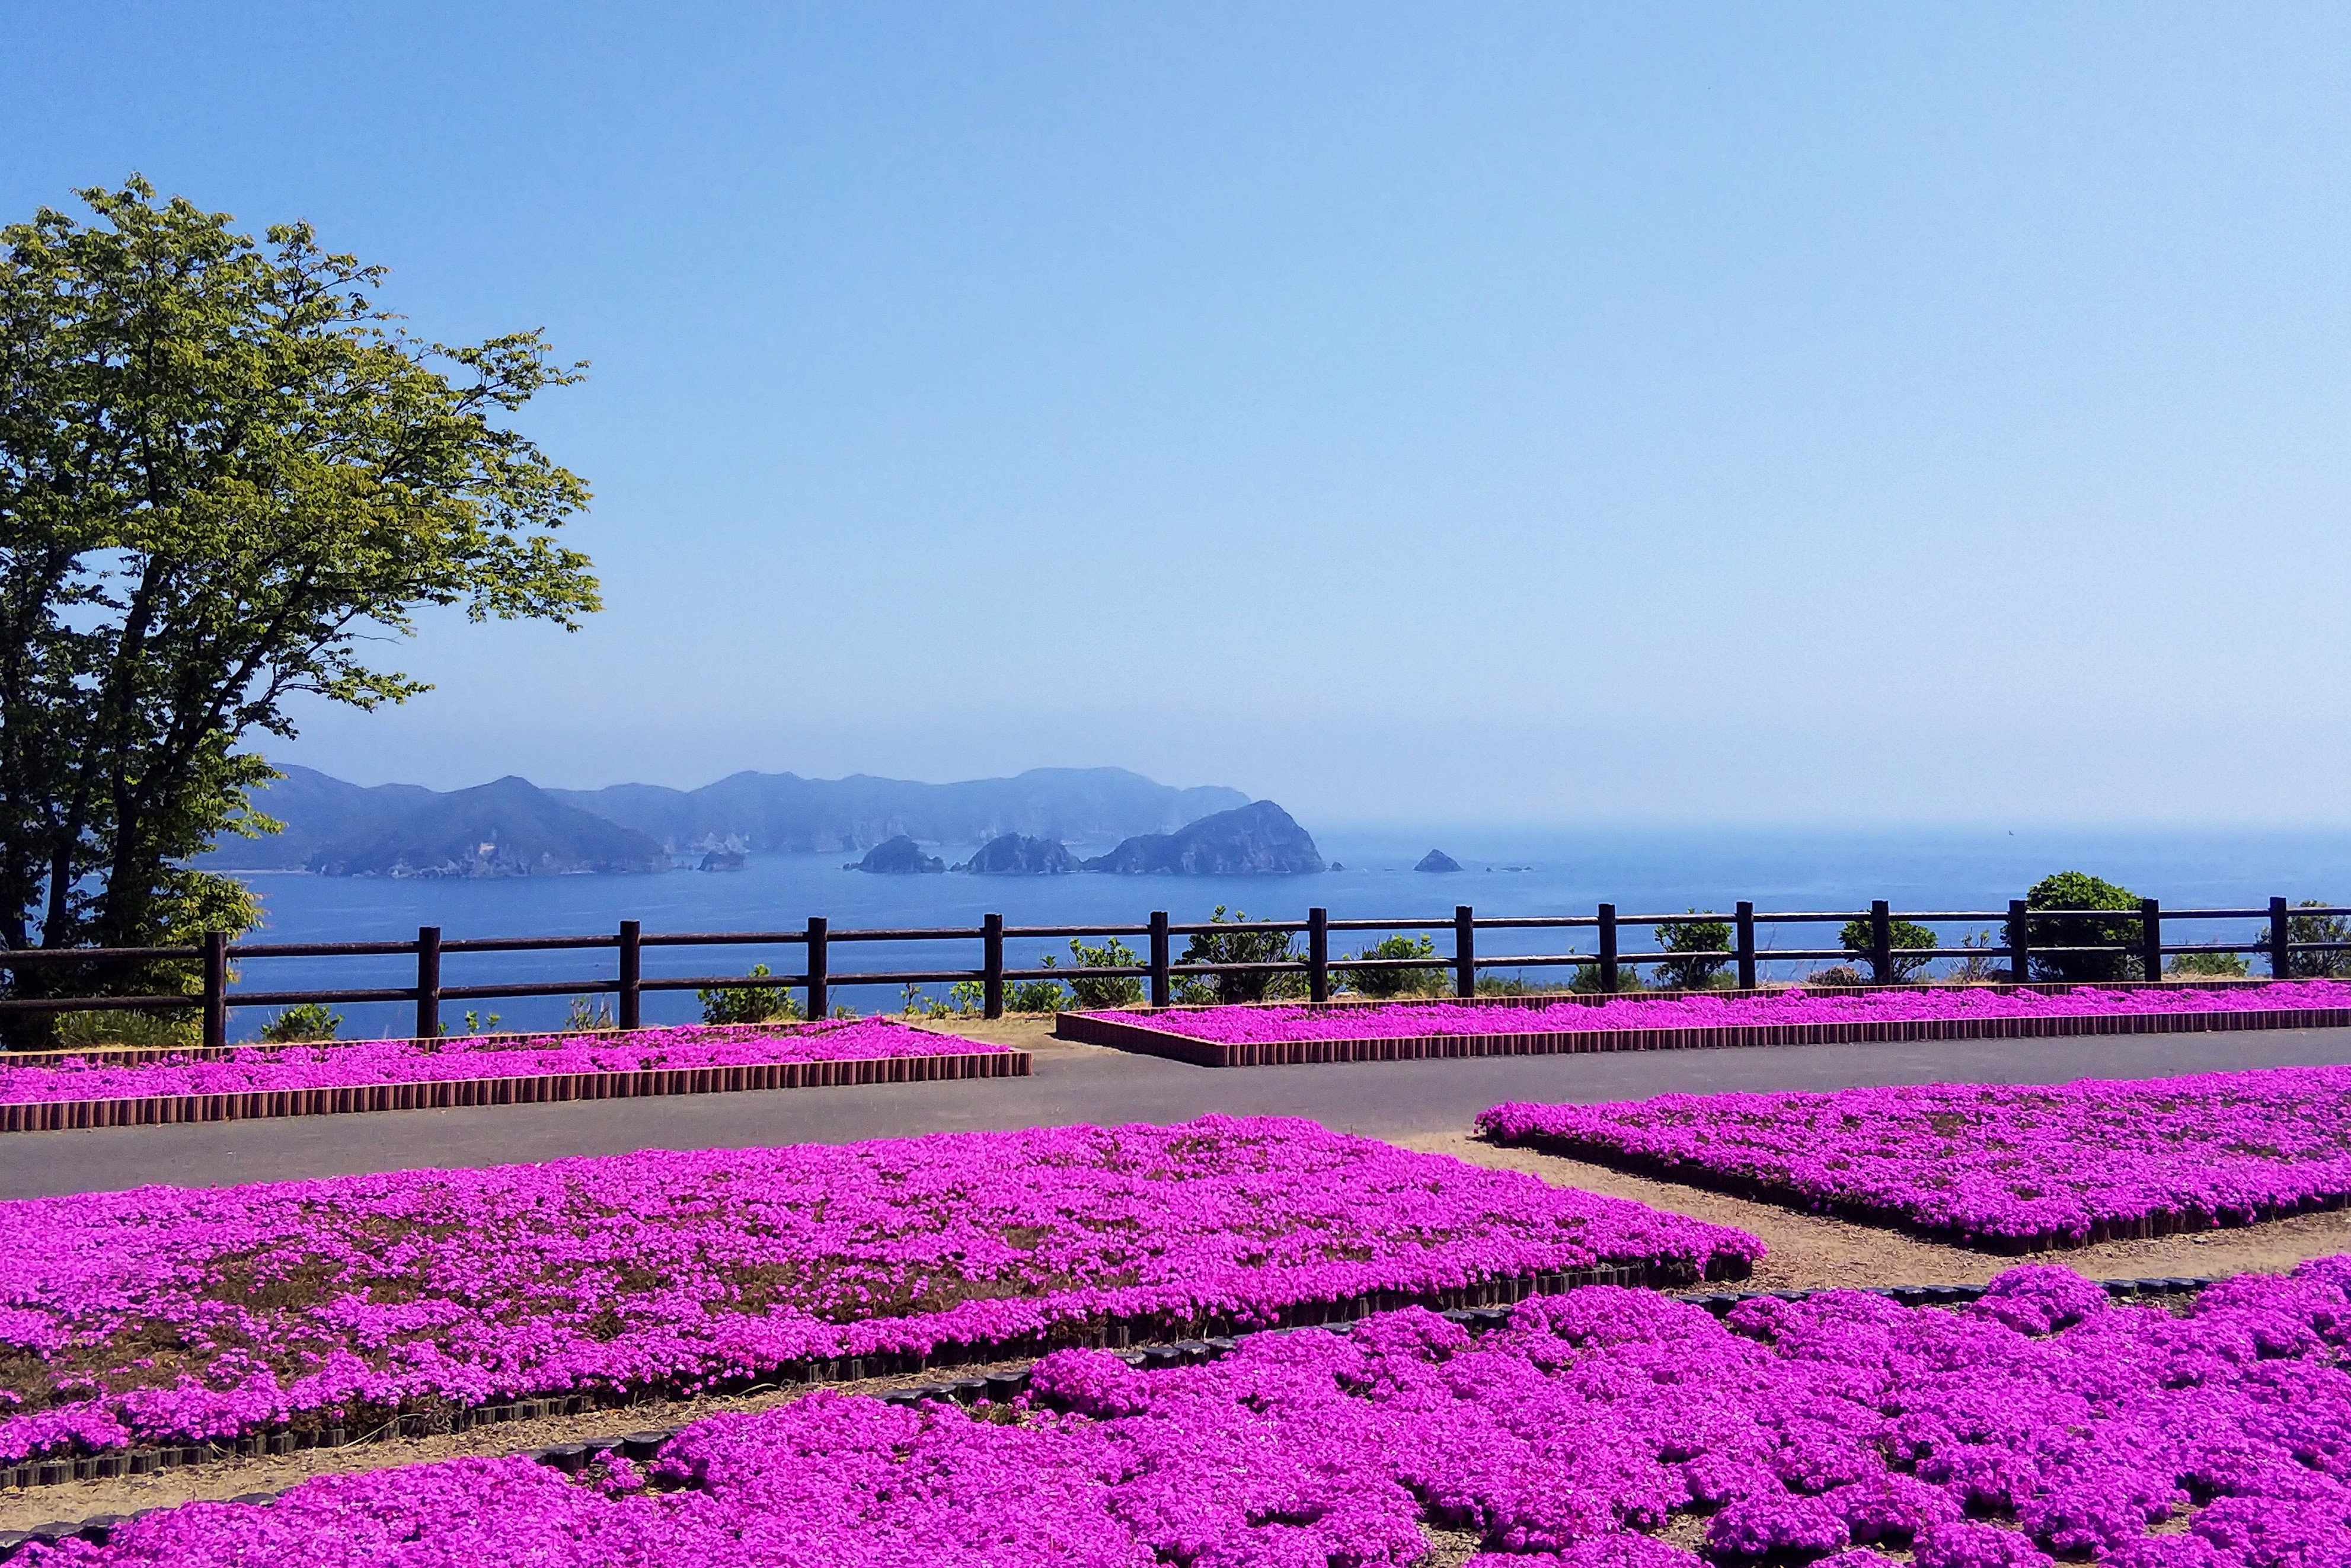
pixel 1080 1083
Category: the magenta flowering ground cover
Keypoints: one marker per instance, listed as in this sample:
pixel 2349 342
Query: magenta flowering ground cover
pixel 1793 1007
pixel 1600 1428
pixel 351 1064
pixel 171 1314
pixel 1999 1165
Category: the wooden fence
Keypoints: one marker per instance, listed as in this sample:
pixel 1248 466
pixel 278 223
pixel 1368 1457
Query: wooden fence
pixel 817 979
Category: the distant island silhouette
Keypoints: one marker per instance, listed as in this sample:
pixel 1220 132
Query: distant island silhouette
pixel 512 827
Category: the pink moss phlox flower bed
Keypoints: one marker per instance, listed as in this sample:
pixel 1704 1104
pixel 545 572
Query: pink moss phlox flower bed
pixel 1399 1021
pixel 175 1314
pixel 2040 1423
pixel 1996 1164
pixel 251 1068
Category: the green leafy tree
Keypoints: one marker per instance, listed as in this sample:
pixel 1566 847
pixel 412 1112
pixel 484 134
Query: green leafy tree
pixel 1397 982
pixel 1857 937
pixel 225 473
pixel 1241 945
pixel 2334 966
pixel 2080 889
pixel 1697 939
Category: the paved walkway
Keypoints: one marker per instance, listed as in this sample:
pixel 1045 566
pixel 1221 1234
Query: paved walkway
pixel 1080 1083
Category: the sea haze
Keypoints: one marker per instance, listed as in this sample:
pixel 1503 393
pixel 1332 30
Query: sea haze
pixel 1564 874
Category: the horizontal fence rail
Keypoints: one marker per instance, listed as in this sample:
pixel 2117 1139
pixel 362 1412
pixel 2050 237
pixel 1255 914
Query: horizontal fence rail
pixel 2143 945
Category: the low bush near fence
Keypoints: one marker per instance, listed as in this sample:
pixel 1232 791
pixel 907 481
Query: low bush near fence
pixel 1601 1429
pixel 319 1065
pixel 1994 1165
pixel 187 1315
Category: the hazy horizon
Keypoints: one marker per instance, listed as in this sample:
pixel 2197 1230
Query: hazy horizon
pixel 1687 414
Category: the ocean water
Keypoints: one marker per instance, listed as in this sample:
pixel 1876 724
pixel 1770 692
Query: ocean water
pixel 1532 873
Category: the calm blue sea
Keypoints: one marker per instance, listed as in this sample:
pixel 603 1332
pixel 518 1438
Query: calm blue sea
pixel 1534 872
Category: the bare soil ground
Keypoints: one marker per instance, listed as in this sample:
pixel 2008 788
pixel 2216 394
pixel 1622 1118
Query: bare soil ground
pixel 1808 1252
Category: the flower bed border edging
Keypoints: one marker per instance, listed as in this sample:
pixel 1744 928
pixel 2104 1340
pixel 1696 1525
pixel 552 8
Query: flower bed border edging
pixel 1132 1034
pixel 167 1110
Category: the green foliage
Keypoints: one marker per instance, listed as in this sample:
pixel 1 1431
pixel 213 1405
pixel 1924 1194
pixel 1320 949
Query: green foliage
pixel 1396 982
pixel 1519 986
pixel 748 1004
pixel 2207 965
pixel 1856 937
pixel 1037 997
pixel 2080 889
pixel 2315 928
pixel 225 473
pixel 480 1023
pixel 137 1031
pixel 1837 975
pixel 303 1021
pixel 1100 990
pixel 1238 946
pixel 1982 964
pixel 587 1014
pixel 914 1001
pixel 1693 937
pixel 1587 980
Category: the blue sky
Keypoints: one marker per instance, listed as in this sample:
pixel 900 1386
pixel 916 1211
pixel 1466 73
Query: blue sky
pixel 1540 414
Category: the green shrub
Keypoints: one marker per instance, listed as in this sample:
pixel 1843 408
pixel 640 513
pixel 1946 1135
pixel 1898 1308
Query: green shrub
pixel 1100 990
pixel 748 1004
pixel 1396 982
pixel 1696 936
pixel 1856 938
pixel 98 1030
pixel 2080 889
pixel 587 1014
pixel 1981 966
pixel 1836 975
pixel 1236 946
pixel 1519 986
pixel 2207 965
pixel 1587 980
pixel 1036 997
pixel 304 1022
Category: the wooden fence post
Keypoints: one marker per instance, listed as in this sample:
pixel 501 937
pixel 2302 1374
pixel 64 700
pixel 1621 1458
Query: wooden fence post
pixel 428 982
pixel 1465 952
pixel 1608 947
pixel 217 989
pixel 2151 937
pixel 819 1001
pixel 1881 942
pixel 2281 941
pixel 629 1010
pixel 991 966
pixel 1162 989
pixel 2020 943
pixel 1746 944
pixel 1318 955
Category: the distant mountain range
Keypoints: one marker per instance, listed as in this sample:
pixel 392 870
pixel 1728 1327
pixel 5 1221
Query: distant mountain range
pixel 511 827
